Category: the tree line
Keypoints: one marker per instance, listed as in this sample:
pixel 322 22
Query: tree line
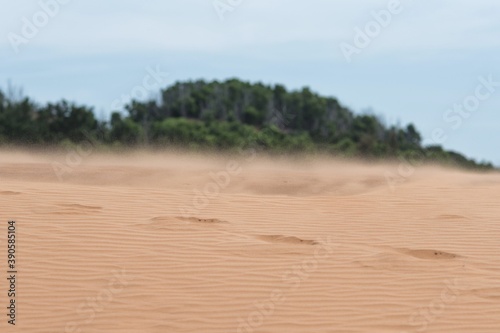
pixel 228 115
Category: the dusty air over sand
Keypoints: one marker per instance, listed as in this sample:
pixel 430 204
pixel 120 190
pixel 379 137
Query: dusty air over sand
pixel 123 243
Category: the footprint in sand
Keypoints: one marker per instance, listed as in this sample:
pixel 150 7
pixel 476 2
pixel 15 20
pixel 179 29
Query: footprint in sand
pixel 286 239
pixel 161 222
pixel 76 209
pixel 9 193
pixel 394 258
pixel 200 220
pixel 428 254
pixel 82 207
pixel 451 217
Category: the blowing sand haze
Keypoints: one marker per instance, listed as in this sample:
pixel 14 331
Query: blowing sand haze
pixel 230 166
pixel 180 243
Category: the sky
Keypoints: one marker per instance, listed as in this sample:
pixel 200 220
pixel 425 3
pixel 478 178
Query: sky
pixel 434 63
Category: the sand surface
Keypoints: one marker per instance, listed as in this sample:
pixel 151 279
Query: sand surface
pixel 134 244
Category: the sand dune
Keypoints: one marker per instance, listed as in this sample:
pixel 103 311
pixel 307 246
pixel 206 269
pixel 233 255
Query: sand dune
pixel 178 243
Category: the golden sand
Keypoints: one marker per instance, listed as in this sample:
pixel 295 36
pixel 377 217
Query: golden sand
pixel 178 243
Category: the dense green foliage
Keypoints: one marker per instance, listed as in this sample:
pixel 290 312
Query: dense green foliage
pixel 223 115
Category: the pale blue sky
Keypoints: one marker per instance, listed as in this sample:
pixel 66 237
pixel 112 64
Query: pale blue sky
pixel 427 58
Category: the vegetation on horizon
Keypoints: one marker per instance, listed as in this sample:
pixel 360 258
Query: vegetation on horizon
pixel 223 115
